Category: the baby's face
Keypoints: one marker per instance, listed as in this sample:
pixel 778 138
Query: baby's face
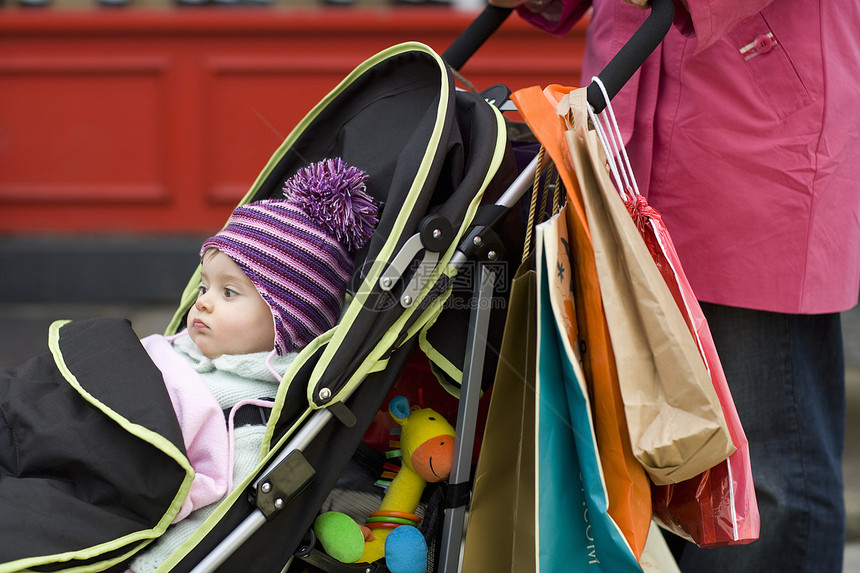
pixel 230 316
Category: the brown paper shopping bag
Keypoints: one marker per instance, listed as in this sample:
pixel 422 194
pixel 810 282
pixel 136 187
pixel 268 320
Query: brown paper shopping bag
pixel 674 416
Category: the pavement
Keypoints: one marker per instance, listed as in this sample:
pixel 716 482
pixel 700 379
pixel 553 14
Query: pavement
pixel 23 330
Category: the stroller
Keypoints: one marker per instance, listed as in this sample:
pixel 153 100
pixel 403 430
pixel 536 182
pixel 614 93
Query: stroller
pixel 433 156
pixel 442 169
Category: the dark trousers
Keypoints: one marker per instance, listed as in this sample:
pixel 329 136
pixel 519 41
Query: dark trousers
pixel 787 378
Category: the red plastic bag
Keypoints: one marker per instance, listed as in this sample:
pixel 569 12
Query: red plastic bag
pixel 717 507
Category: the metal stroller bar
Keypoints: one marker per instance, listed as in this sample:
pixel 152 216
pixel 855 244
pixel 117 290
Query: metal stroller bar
pixel 467 416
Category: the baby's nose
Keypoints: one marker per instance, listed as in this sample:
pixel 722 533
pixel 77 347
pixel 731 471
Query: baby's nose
pixel 203 302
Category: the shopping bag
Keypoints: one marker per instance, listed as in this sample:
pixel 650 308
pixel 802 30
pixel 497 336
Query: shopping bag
pixel 575 531
pixel 674 416
pixel 627 484
pixel 718 506
pixel 501 529
pixel 574 528
pixel 500 533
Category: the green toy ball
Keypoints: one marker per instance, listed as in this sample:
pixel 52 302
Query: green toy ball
pixel 340 536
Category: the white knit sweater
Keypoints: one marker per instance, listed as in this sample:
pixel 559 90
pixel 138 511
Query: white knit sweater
pixel 232 379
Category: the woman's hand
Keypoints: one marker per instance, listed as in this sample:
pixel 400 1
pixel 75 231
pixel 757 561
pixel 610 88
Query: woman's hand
pixel 537 6
pixel 507 3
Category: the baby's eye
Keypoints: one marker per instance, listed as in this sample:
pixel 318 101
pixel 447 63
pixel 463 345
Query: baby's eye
pixel 229 293
pixel 201 290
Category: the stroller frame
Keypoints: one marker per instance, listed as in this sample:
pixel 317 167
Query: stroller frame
pixel 288 472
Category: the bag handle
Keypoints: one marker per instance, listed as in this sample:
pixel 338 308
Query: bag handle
pixel 541 192
pixel 609 134
pixel 530 224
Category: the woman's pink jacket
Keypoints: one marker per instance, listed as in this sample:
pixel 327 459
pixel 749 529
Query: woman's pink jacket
pixel 744 132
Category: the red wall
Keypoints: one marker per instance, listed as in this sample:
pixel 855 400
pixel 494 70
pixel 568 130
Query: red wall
pixel 158 121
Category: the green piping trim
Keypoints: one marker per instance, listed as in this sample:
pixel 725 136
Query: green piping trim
pixel 439 359
pixel 379 366
pixel 25 564
pixel 445 383
pixel 136 430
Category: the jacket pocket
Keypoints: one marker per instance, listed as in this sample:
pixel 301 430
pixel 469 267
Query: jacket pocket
pixel 770 66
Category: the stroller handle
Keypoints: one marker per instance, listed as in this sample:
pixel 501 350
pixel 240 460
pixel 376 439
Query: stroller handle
pixel 474 36
pixel 616 73
pixel 633 54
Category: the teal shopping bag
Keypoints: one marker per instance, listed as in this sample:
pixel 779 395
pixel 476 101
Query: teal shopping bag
pixel 574 530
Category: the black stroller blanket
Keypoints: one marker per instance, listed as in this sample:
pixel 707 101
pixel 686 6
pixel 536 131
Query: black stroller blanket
pixel 92 462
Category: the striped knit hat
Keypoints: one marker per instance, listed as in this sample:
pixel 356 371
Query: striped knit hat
pixel 298 251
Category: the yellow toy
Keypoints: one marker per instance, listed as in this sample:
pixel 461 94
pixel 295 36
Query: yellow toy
pixel 427 448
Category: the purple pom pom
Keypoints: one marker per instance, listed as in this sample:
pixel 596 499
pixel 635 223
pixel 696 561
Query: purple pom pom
pixel 333 193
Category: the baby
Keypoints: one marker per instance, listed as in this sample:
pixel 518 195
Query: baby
pixel 83 433
pixel 271 282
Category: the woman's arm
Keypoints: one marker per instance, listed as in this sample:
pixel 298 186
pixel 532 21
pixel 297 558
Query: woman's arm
pixel 555 16
pixel 708 20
